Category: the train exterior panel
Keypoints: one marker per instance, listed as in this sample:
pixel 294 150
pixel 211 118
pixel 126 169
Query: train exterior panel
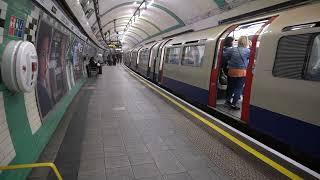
pixel 285 107
pixel 187 76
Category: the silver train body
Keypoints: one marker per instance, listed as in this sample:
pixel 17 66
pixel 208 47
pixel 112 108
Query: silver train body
pixel 282 91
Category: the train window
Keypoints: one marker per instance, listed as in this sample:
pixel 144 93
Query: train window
pixel 313 67
pixel 144 56
pixel 192 55
pixel 291 56
pixel 173 55
pixel 298 57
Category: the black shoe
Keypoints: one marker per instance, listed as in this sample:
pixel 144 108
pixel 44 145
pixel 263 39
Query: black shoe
pixel 234 107
pixel 227 103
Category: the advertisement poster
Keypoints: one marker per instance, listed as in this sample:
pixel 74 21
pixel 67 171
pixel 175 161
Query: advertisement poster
pixel 57 73
pixel 43 44
pixel 52 79
pixel 77 58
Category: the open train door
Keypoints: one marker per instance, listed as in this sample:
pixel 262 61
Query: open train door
pixel 251 29
pixel 216 66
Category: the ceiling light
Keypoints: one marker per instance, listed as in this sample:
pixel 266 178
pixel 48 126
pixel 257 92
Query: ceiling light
pixel 150 3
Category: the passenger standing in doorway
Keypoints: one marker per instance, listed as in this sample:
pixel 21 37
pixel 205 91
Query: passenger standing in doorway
pixel 238 59
pixel 223 77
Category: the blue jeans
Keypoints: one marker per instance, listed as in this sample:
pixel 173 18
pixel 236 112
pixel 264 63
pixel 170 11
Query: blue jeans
pixel 235 88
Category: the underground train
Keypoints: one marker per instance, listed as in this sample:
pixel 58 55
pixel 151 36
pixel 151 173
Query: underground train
pixel 281 94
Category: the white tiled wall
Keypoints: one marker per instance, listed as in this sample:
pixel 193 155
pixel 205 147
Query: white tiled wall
pixel 7 151
pixel 32 111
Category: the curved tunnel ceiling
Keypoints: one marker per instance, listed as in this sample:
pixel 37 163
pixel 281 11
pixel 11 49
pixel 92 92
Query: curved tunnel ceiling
pixel 155 17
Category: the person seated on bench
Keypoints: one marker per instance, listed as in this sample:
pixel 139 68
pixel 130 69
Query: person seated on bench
pixel 92 65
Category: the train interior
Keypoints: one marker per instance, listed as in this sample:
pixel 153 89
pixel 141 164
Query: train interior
pixel 249 30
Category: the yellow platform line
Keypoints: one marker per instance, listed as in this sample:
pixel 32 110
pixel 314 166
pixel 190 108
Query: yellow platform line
pixel 243 145
pixel 34 165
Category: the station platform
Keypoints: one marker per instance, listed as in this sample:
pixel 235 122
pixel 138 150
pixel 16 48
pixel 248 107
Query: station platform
pixel 118 128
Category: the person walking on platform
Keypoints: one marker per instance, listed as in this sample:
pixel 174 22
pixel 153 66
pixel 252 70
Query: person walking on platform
pixel 238 59
pixel 114 59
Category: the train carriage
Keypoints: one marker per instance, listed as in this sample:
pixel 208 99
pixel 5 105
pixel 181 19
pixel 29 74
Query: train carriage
pixel 285 90
pixel 144 59
pixel 280 94
pixel 188 62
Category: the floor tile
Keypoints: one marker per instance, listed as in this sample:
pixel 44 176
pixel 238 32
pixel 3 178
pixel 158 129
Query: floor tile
pixel 140 158
pixel 167 163
pixel 117 161
pixel 92 177
pixel 179 176
pixel 145 170
pixel 152 178
pixel 91 167
pixel 203 174
pixel 136 148
pixel 115 151
pixel 122 172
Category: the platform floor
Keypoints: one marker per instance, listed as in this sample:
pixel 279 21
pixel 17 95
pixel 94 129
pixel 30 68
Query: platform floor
pixel 121 130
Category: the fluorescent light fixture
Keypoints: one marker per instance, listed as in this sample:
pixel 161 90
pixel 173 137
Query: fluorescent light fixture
pixel 150 3
pixel 142 11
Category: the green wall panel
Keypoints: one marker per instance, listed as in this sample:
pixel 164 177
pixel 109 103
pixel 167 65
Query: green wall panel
pixel 28 146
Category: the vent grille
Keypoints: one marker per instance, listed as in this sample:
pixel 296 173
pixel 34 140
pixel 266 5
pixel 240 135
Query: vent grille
pixel 291 56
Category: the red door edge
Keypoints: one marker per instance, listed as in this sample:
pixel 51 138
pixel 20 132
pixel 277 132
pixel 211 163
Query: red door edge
pixel 248 81
pixel 212 98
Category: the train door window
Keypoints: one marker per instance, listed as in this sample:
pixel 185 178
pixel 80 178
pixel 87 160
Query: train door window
pixel 192 55
pixel 248 30
pixel 313 67
pixel 173 55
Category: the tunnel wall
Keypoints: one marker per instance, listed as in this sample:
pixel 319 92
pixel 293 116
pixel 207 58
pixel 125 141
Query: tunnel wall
pixel 27 120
